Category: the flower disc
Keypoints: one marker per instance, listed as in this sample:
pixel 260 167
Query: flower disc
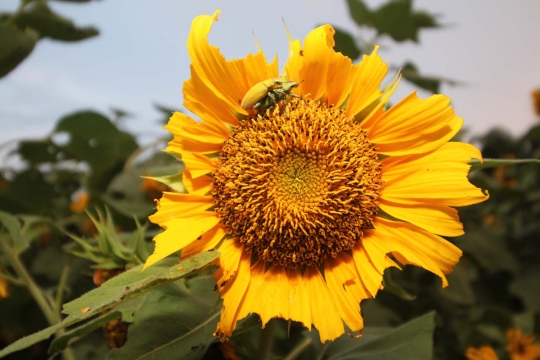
pixel 299 184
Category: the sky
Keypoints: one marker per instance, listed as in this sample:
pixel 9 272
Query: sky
pixel 140 58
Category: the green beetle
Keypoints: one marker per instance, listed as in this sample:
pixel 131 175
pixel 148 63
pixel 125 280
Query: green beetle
pixel 266 94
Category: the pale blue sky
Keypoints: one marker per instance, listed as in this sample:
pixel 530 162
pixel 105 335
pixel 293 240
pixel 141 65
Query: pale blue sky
pixel 140 58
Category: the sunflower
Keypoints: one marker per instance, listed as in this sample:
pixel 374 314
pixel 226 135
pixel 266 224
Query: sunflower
pixel 520 346
pixel 481 353
pixel 310 201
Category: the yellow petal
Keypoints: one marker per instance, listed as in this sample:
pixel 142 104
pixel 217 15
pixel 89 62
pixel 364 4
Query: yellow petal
pixel 233 295
pixel 197 186
pixel 283 292
pixel 439 178
pixel 435 218
pixel 370 266
pixel 415 126
pixel 275 293
pixel 251 303
pixel 229 260
pixel 324 314
pixel 317 50
pixel 201 100
pixel 299 298
pixel 208 241
pixel 197 164
pixel 340 78
pixel 174 205
pixel 412 245
pixel 228 80
pixel 179 233
pixel 204 137
pixel 334 71
pixel 366 82
pixel 340 275
pixel 295 58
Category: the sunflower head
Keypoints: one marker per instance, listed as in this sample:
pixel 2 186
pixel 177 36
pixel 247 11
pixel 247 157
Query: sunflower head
pixel 298 184
pixel 310 189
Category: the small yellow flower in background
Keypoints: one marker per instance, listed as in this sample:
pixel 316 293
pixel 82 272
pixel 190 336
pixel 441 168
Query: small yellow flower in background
pixel 521 347
pixel 4 293
pixel 481 353
pixel 311 201
pixel 81 201
pixel 536 101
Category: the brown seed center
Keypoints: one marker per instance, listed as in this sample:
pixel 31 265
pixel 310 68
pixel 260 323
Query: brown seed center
pixel 298 185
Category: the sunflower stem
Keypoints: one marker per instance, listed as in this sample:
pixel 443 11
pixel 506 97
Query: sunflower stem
pixel 27 280
pixel 267 338
pixel 59 298
pixel 299 349
pixel 10 278
pixel 323 350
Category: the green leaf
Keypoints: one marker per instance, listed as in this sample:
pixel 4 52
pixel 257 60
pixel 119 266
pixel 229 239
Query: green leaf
pixel 173 181
pixel 133 283
pixel 491 163
pixel 29 192
pixel 34 338
pixel 95 139
pixel 174 322
pixel 360 12
pixel 411 73
pixel 68 338
pixel 526 286
pixel 125 196
pixel 117 290
pixel 412 340
pixel 40 17
pixel 346 44
pixel 394 18
pixel 425 20
pixel 18 242
pixel 391 286
pixel 75 1
pixel 460 290
pixel 488 250
pixel 15 46
pixel 165 111
pixel 397 19
pixel 37 152
pixel 525 322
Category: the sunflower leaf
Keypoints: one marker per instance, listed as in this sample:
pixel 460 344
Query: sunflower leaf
pixel 431 83
pixel 172 181
pixel 15 46
pixel 397 19
pixel 176 321
pixel 360 12
pixel 117 290
pixel 72 336
pixel 40 17
pixel 391 286
pixel 346 44
pixel 491 163
pixel 412 340
pixel 18 242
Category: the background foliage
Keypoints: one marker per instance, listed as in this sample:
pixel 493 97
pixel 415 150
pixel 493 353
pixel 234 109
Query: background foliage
pixel 75 215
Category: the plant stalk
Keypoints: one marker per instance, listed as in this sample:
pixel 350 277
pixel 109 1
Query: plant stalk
pixel 267 338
